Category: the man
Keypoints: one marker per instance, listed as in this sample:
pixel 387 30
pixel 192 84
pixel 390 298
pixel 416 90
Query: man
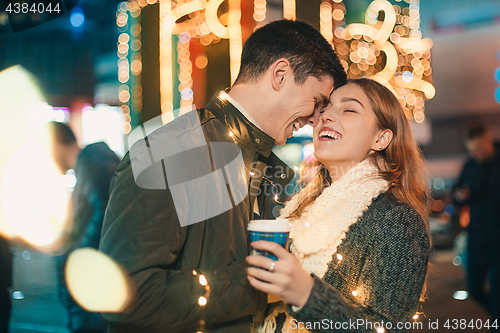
pixel 287 73
pixel 479 186
pixel 94 167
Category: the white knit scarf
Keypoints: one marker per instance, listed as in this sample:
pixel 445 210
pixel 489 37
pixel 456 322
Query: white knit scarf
pixel 324 223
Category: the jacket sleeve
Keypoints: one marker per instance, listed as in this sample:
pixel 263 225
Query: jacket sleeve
pixel 389 285
pixel 141 232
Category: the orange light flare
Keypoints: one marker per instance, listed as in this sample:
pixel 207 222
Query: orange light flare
pixel 35 199
pixel 97 282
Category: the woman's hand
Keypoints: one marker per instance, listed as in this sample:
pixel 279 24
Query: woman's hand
pixel 287 279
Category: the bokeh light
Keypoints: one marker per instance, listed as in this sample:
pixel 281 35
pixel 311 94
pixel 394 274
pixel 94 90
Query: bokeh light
pixel 460 295
pixel 97 282
pixel 77 18
pixel 19 92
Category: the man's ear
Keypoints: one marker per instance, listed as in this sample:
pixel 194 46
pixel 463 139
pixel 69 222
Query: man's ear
pixel 384 138
pixel 280 70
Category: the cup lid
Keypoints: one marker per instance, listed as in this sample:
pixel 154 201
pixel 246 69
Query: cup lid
pixel 278 225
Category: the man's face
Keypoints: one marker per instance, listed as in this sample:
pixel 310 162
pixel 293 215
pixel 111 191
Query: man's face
pixel 300 105
pixel 480 148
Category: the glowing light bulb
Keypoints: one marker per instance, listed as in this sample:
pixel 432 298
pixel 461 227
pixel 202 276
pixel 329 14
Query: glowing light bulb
pixel 460 295
pixel 202 301
pixel 203 280
pixel 354 293
pixel 339 257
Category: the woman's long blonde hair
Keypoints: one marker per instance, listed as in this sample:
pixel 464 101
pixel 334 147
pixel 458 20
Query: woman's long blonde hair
pixel 401 163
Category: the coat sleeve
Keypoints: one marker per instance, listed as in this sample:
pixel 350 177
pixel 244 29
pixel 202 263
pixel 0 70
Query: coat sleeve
pixel 389 285
pixel 141 232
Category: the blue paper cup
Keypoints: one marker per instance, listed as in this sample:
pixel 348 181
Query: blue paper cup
pixel 277 231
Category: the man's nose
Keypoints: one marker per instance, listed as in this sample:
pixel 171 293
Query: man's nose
pixel 313 119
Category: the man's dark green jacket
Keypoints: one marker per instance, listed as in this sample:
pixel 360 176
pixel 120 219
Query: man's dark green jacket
pixel 142 232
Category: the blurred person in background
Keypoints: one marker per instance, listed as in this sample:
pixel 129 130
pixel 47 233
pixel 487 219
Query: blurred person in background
pixel 5 283
pixel 94 166
pixel 479 187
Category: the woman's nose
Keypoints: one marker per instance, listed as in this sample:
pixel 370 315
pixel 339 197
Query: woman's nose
pixel 327 115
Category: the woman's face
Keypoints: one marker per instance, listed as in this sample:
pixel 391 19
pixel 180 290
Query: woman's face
pixel 347 130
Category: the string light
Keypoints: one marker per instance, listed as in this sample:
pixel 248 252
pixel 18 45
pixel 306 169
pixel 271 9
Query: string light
pixel 136 63
pixel 185 70
pixel 202 301
pixel 259 12
pixel 203 23
pixel 166 73
pixel 124 96
pixel 122 21
pixel 356 293
pixel 276 197
pixel 338 14
pixel 289 9
pixel 213 20
pixel 235 40
pixel 223 95
pixel 203 280
pixel 407 55
pixel 183 8
pixel 201 61
pixel 325 23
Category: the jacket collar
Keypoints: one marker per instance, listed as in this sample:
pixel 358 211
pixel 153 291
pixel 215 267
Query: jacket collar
pixel 245 133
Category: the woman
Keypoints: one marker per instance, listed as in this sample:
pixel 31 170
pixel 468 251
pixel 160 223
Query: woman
pixel 359 238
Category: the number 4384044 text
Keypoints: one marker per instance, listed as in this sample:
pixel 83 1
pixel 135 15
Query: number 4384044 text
pixel 25 8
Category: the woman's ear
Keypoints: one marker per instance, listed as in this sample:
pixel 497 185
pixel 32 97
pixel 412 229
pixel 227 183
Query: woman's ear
pixel 279 70
pixel 384 138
